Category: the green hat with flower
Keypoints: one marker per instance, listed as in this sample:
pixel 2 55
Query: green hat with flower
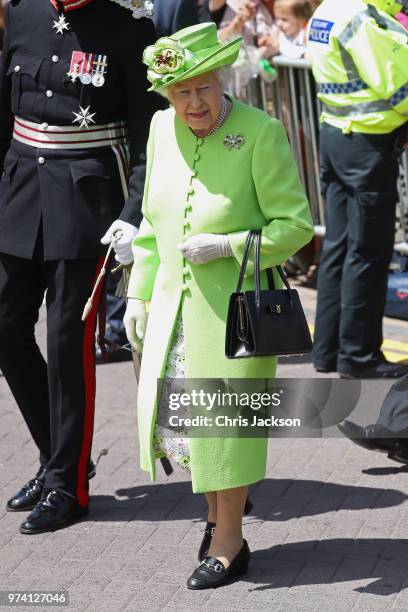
pixel 188 53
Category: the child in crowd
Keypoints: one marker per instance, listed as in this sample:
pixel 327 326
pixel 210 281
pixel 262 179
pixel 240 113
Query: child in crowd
pixel 252 19
pixel 291 19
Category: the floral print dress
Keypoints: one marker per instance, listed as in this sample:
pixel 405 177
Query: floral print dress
pixel 175 447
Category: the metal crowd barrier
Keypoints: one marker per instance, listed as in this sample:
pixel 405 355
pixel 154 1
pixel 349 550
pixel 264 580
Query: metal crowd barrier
pixel 292 98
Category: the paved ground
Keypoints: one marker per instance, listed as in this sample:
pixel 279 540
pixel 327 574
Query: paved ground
pixel 329 530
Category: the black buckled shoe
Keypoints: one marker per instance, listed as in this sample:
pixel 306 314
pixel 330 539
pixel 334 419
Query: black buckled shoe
pixel 376 438
pixel 211 573
pixel 54 511
pixel 29 495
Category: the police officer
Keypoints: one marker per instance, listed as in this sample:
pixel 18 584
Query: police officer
pixel 74 120
pixel 359 54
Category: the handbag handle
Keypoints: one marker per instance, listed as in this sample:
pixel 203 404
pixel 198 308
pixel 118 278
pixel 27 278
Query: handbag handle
pixel 255 236
pixel 248 245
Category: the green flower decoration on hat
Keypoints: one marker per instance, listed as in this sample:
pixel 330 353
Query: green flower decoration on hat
pixel 188 53
pixel 166 56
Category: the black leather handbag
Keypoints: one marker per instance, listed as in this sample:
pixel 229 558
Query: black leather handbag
pixel 265 322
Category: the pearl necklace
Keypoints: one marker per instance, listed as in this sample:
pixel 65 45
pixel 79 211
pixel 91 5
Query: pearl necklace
pixel 221 117
pixel 139 8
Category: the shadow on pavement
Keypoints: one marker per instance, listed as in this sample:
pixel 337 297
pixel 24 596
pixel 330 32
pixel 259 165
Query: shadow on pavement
pixel 385 471
pixel 334 561
pixel 274 500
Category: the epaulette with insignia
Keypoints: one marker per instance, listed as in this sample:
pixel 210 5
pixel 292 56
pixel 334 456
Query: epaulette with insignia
pixel 139 8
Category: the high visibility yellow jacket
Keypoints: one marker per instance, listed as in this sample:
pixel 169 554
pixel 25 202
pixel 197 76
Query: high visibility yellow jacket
pixel 359 56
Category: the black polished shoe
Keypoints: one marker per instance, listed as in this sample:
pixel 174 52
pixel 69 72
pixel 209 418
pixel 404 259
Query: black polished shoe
pixel 113 355
pixel 54 511
pixel 29 495
pixel 376 438
pixel 211 573
pixel 386 369
pixel 209 532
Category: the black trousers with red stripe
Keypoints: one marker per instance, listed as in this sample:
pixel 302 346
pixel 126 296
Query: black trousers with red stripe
pixel 56 398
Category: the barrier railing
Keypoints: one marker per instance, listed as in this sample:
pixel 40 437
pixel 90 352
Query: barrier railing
pixel 292 98
pixel 295 103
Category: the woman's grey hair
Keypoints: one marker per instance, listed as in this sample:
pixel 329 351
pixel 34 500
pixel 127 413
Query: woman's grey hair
pixel 224 75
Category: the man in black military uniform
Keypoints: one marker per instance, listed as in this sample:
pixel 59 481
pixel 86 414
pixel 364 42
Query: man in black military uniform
pixel 75 115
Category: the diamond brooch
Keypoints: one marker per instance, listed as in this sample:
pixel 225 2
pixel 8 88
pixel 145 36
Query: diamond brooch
pixel 233 141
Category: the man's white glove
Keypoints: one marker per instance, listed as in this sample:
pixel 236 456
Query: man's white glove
pixel 123 246
pixel 203 248
pixel 135 320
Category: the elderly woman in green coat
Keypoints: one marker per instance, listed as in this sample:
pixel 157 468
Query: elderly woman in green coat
pixel 216 168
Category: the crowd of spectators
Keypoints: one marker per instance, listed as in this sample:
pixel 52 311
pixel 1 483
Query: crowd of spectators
pixel 273 27
pixel 269 28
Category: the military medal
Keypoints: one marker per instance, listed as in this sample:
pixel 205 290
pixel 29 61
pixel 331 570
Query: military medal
pixel 99 69
pixel 86 79
pixel 84 117
pixel 98 80
pixel 89 68
pixel 73 72
pixel 61 25
pixel 86 74
pixel 80 67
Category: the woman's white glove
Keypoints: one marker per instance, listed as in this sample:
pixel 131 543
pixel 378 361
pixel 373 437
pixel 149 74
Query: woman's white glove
pixel 135 320
pixel 203 248
pixel 123 246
